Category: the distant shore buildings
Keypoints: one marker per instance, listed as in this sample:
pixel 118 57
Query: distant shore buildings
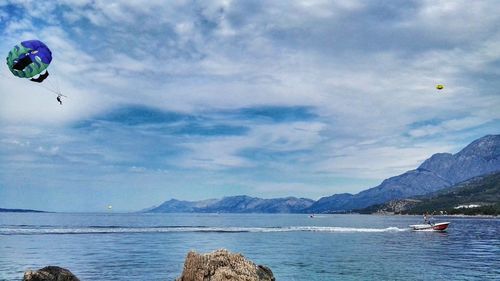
pixel 467 206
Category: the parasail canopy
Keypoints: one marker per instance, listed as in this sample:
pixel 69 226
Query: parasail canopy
pixel 29 59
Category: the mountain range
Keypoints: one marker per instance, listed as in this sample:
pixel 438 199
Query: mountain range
pixel 3 210
pixel 479 195
pixel 236 204
pixel 441 170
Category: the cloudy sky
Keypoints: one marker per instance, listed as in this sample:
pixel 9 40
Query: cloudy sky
pixel 205 99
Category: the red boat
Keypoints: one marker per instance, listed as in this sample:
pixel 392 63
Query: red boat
pixel 442 226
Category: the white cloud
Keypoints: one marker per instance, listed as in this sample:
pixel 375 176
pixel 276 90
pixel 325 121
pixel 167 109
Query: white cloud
pixel 453 125
pixel 377 161
pixel 369 79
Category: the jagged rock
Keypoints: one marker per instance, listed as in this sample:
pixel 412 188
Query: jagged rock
pixel 222 265
pixel 50 273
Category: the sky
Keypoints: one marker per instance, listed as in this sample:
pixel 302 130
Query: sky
pixel 205 99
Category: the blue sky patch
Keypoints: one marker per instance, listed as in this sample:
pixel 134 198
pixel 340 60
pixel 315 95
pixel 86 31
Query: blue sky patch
pixel 208 129
pixel 204 124
pixel 141 115
pixel 425 123
pixel 277 113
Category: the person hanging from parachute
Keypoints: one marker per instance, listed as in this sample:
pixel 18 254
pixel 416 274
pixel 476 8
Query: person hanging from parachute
pixel 30 59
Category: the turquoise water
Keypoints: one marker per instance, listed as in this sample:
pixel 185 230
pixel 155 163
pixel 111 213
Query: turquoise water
pixel 328 247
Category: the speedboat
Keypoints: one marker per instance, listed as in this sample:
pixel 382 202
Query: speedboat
pixel 442 226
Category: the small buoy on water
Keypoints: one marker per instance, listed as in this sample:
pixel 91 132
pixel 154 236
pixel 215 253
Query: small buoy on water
pixel 439 87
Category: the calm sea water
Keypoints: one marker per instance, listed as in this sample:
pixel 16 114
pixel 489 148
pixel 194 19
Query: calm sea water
pixel 328 247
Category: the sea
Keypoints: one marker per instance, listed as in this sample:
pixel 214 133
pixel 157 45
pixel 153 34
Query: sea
pixel 143 246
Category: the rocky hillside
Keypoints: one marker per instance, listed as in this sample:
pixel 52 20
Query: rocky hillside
pixel 440 171
pixel 479 195
pixel 235 204
pixel 478 158
pixel 177 206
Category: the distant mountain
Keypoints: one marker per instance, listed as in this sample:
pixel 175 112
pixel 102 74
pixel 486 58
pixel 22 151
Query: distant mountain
pixel 440 171
pixel 481 193
pixel 478 158
pixel 177 206
pixel 236 204
pixel 19 211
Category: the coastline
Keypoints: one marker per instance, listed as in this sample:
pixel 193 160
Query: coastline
pixel 436 216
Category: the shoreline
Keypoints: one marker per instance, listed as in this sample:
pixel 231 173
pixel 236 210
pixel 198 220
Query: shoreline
pixel 440 216
pixel 307 214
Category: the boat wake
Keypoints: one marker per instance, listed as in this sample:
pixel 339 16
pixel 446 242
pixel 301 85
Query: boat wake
pixel 169 229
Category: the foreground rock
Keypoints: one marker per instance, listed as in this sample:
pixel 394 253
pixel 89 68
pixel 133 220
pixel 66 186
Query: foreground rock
pixel 50 273
pixel 222 265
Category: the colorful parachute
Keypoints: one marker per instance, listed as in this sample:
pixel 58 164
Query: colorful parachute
pixel 29 59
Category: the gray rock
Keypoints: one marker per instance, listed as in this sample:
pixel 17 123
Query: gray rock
pixel 50 273
pixel 222 265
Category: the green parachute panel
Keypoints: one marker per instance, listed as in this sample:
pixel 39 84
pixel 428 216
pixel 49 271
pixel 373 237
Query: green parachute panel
pixel 37 55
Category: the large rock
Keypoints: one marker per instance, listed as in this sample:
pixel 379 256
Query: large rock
pixel 50 273
pixel 222 265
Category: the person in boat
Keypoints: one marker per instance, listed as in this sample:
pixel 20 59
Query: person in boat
pixel 426 218
pixel 59 99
